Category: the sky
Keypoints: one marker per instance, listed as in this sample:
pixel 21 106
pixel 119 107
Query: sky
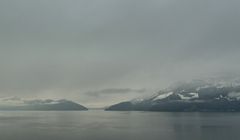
pixel 101 52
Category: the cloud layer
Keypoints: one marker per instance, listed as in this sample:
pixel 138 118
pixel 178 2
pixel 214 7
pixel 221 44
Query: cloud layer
pixel 118 91
pixel 59 48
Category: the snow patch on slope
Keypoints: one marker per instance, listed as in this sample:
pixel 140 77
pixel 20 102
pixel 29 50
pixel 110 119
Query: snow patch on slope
pixel 162 96
pixel 234 95
pixel 192 96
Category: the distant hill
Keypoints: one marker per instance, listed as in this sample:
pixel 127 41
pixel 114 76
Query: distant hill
pixel 15 103
pixel 198 95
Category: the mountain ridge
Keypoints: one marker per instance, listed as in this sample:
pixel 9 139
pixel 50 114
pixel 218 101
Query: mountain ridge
pixel 197 95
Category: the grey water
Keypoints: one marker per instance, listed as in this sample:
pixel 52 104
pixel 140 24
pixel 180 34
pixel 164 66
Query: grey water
pixel 104 125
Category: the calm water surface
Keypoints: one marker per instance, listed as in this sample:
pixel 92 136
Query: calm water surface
pixel 101 125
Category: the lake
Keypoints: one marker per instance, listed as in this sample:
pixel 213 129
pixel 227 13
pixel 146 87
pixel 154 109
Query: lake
pixel 113 125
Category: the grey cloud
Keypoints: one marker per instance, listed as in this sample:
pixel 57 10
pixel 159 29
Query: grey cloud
pixel 14 98
pixel 62 48
pixel 21 101
pixel 114 91
pixel 39 102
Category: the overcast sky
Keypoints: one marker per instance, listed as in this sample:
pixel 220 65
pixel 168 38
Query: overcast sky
pixel 99 52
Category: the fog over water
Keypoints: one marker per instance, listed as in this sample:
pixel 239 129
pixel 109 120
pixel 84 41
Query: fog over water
pixel 101 52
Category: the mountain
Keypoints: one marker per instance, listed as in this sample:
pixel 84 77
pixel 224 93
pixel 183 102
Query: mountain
pixel 198 95
pixel 15 103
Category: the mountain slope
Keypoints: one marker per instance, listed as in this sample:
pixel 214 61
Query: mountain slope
pixel 14 103
pixel 193 96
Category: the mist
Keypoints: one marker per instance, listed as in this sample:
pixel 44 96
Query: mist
pixel 102 52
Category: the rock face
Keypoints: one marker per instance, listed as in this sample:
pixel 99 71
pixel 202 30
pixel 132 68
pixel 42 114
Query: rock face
pixel 197 95
pixel 42 105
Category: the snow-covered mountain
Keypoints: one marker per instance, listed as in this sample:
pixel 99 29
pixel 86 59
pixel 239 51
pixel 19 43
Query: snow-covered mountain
pixel 197 95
